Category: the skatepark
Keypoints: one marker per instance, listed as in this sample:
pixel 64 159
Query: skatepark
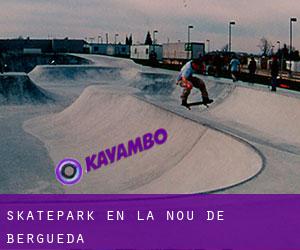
pixel 248 141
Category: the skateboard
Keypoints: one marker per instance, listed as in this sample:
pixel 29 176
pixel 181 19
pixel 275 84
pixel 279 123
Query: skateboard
pixel 189 105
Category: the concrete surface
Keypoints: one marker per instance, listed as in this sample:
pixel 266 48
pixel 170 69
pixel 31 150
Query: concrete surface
pixel 247 142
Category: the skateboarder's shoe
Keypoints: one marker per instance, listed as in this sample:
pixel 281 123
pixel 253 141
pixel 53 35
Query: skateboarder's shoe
pixel 184 103
pixel 206 100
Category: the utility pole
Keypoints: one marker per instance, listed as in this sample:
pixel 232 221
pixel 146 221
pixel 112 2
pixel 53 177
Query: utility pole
pixel 189 40
pixel 292 19
pixel 229 44
pixel 208 45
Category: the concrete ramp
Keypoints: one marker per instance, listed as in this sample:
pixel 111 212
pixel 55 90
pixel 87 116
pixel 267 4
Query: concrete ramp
pixel 109 61
pixel 259 112
pixel 75 74
pixel 17 88
pixel 194 159
pixel 154 83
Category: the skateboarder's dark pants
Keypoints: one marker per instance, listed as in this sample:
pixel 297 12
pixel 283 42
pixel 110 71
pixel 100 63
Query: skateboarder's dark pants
pixel 274 82
pixel 235 75
pixel 197 83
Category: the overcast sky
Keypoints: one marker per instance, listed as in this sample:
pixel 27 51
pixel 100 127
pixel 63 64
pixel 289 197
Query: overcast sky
pixel 90 18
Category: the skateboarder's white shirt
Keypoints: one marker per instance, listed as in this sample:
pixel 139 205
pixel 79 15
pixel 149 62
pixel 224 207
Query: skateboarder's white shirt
pixel 187 71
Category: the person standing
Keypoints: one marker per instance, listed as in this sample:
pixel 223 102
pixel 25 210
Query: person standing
pixel 235 68
pixel 252 69
pixel 218 65
pixel 274 73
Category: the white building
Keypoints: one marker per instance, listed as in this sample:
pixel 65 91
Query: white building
pixel 122 50
pixel 182 51
pixel 146 52
pixel 295 66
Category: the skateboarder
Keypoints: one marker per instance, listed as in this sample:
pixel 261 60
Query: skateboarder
pixel 187 81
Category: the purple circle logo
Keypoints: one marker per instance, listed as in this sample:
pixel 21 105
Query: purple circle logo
pixel 68 172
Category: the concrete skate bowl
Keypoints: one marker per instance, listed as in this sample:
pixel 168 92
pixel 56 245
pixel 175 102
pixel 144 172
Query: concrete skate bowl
pixel 272 116
pixel 194 159
pixel 154 83
pixel 20 62
pixel 74 74
pixel 110 61
pixel 17 88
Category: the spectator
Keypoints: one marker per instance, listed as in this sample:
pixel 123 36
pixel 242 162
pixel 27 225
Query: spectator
pixel 218 65
pixel 153 57
pixel 235 68
pixel 252 69
pixel 274 73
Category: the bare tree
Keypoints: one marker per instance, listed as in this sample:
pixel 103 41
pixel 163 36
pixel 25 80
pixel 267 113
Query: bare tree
pixel 225 48
pixel 265 46
pixel 148 40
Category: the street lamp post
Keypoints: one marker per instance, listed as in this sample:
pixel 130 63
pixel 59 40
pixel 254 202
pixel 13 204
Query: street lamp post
pixel 281 57
pixel 189 40
pixel 208 45
pixel 116 35
pixel 106 35
pixel 154 40
pixel 292 19
pixel 229 43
